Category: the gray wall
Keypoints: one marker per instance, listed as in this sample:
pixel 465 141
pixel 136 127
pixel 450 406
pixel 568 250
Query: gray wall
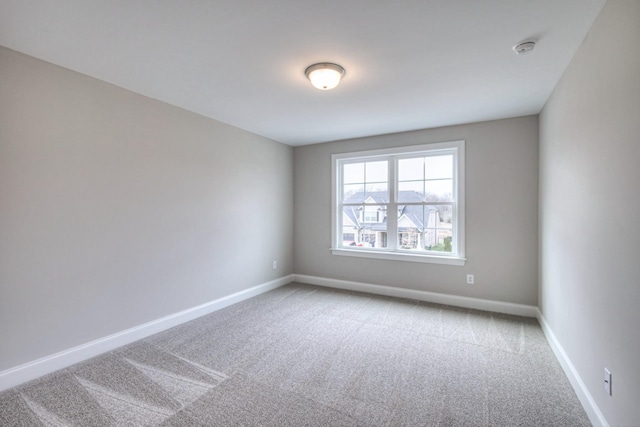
pixel 116 209
pixel 590 210
pixel 501 214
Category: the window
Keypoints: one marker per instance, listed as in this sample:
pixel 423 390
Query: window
pixel 402 203
pixel 370 214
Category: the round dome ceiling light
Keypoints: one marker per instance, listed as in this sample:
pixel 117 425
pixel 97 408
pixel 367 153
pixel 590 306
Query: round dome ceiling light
pixel 325 75
pixel 524 47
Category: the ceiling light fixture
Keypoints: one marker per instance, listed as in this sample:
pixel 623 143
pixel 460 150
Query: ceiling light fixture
pixel 524 47
pixel 325 75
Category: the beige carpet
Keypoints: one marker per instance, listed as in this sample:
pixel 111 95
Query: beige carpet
pixel 309 356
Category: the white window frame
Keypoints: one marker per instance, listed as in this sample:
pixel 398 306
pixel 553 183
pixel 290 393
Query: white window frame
pixel 457 257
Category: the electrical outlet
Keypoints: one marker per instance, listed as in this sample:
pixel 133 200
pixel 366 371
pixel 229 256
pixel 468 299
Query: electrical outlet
pixel 607 381
pixel 275 265
pixel 470 279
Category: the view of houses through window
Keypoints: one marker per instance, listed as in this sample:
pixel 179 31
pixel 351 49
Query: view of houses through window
pixel 412 196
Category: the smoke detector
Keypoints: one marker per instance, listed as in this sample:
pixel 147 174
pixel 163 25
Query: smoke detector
pixel 524 47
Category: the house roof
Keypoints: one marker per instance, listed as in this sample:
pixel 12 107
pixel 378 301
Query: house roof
pixel 412 212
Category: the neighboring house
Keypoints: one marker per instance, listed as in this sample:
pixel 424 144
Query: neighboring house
pixel 365 224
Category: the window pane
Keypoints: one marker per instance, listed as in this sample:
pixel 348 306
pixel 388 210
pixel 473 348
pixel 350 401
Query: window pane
pixel 439 190
pixel 364 226
pixel 438 167
pixel 411 169
pixel 373 237
pixel 446 213
pixel 353 193
pixel 425 228
pixel 350 225
pixel 372 176
pixel 377 193
pixel 410 225
pixel 350 220
pixel 377 171
pixel 353 173
pixel 410 191
pixel 438 233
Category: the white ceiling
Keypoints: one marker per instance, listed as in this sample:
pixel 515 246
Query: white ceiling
pixel 411 64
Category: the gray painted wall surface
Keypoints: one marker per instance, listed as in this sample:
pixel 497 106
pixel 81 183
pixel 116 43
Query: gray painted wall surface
pixel 117 209
pixel 501 214
pixel 590 210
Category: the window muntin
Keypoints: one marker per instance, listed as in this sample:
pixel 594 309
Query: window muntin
pixel 424 185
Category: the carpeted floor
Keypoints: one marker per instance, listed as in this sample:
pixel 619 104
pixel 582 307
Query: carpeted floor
pixel 309 356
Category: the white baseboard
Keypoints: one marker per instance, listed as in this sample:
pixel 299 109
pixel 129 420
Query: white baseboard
pixel 591 408
pixel 588 403
pixel 37 368
pixel 458 301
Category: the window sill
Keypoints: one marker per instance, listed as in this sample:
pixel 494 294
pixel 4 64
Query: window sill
pixel 397 256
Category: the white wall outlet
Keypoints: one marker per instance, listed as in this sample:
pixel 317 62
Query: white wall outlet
pixel 275 265
pixel 470 279
pixel 607 381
